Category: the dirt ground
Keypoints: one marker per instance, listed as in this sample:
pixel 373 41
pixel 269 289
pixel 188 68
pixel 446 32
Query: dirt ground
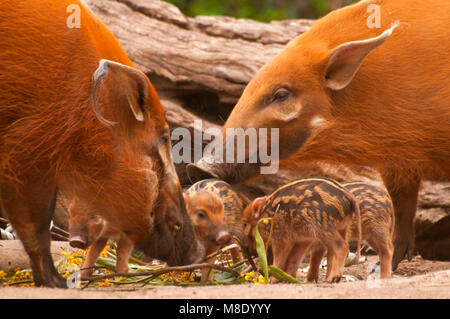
pixel 418 278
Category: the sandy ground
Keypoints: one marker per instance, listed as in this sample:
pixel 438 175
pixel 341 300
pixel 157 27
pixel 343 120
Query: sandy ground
pixel 420 279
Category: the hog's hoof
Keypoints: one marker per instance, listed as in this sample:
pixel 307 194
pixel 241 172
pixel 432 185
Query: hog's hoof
pixel 77 242
pixel 51 282
pixel 403 247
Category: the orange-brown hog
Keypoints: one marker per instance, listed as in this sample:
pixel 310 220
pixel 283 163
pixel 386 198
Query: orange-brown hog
pixel 314 213
pixel 354 92
pixel 76 115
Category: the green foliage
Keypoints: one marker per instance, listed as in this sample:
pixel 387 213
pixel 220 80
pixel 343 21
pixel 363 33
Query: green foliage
pixel 263 10
pixel 281 275
pixel 261 250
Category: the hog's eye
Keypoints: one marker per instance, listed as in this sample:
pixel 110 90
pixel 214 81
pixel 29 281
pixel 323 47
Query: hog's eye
pixel 165 139
pixel 280 96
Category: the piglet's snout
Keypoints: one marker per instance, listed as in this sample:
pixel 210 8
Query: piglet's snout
pixel 223 237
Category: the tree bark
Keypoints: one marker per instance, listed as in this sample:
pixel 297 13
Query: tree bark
pixel 211 58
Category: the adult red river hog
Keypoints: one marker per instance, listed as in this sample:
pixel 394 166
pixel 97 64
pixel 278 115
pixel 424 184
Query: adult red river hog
pixel 72 119
pixel 351 91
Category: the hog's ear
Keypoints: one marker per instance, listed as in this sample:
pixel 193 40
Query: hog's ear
pixel 344 61
pixel 257 205
pixel 127 87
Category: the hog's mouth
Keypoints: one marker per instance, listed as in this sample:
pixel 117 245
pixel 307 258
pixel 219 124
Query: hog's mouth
pixel 172 248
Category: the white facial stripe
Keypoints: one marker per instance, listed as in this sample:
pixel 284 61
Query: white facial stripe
pixel 170 169
pixel 317 122
pixel 288 117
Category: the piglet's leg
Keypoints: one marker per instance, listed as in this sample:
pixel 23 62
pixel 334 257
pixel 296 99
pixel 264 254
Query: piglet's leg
pixel 124 248
pixel 92 254
pixel 207 273
pixel 342 254
pixel 296 255
pixel 235 255
pixel 281 250
pixel 337 250
pixel 382 244
pixel 317 253
pixel 331 265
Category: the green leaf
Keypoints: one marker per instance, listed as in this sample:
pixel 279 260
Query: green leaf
pixel 261 250
pixel 106 262
pixel 223 277
pixel 281 275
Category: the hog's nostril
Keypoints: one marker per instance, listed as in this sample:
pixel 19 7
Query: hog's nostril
pixel 223 237
pixel 77 242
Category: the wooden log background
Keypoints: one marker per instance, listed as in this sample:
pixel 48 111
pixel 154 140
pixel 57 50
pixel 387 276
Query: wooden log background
pixel 200 66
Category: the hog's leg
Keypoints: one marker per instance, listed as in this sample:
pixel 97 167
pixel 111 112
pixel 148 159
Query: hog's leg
pixel 124 248
pixel 30 216
pixel 404 199
pixel 317 253
pixel 296 256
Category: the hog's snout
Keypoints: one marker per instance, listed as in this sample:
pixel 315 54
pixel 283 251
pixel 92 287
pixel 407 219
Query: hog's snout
pixel 223 237
pixel 199 171
pixel 229 172
pixel 78 241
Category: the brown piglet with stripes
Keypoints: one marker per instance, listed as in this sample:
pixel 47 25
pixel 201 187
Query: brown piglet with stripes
pixel 314 213
pixel 377 221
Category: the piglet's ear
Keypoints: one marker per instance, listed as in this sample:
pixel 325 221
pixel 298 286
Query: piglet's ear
pixel 344 61
pixel 186 201
pixel 126 86
pixel 257 205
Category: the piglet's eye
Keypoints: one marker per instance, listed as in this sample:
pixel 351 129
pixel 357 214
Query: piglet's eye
pixel 201 214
